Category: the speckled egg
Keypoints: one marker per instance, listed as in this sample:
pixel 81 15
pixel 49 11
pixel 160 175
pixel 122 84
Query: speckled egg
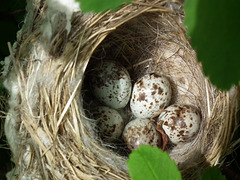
pixel 180 122
pixel 140 132
pixel 150 94
pixel 109 123
pixel 111 84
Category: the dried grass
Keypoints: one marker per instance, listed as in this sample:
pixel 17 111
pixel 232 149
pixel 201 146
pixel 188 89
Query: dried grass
pixel 56 139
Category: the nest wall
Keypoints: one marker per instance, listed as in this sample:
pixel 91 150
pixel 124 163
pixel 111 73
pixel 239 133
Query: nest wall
pixel 47 128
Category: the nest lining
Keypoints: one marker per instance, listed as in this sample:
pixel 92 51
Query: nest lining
pixel 143 46
pixel 53 134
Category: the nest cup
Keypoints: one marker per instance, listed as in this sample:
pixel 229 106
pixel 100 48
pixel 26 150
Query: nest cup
pixel 47 128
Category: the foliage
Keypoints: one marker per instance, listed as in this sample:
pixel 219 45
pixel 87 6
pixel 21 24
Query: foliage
pixel 100 5
pixel 212 174
pixel 214 27
pixel 152 163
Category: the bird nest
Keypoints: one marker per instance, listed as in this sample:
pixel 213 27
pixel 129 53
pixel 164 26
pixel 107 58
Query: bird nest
pixel 47 127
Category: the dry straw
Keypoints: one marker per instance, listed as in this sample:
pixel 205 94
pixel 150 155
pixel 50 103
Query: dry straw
pixel 46 126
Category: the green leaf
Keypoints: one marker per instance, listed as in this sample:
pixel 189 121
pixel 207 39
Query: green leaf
pixel 152 163
pixel 214 28
pixel 212 174
pixel 100 5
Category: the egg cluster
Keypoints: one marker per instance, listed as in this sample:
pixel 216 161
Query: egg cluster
pixel 111 85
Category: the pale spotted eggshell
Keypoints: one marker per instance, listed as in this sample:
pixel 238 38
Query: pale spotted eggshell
pixel 111 84
pixel 140 132
pixel 150 94
pixel 109 123
pixel 180 122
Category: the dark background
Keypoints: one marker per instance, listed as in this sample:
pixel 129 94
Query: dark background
pixel 11 19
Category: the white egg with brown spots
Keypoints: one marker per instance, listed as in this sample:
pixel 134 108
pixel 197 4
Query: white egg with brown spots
pixel 150 94
pixel 180 122
pixel 109 123
pixel 111 84
pixel 140 132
